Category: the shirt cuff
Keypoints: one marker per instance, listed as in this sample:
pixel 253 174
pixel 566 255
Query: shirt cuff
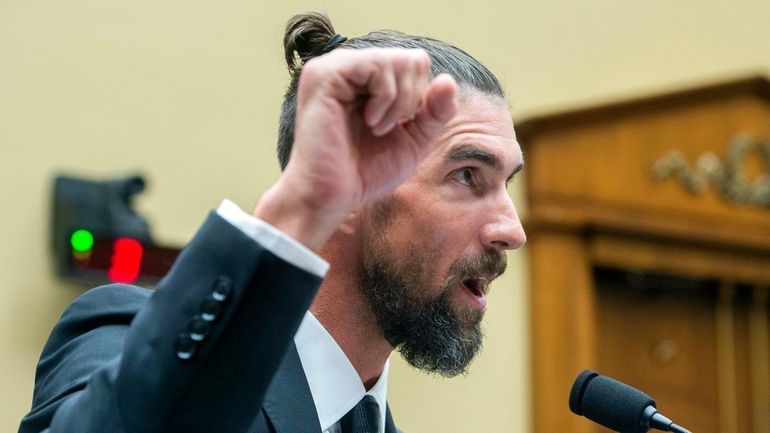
pixel 274 240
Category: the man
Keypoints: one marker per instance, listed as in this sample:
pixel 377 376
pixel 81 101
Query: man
pixel 396 153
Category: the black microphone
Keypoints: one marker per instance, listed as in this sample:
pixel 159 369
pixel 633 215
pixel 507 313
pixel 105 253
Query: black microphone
pixel 616 405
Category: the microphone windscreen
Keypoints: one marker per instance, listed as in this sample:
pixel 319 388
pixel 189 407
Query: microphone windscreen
pixel 608 402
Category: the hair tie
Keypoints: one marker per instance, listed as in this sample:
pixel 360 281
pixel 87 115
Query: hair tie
pixel 332 43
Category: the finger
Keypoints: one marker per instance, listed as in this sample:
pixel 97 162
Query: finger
pixel 400 104
pixel 412 81
pixel 383 90
pixel 346 75
pixel 439 106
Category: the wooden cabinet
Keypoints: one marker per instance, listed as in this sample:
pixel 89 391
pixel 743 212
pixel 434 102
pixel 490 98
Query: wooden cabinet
pixel 649 248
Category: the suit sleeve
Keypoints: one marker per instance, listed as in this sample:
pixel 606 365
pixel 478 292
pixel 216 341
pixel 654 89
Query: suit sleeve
pixel 198 356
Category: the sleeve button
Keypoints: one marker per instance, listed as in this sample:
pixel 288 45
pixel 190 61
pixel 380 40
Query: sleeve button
pixel 199 328
pixel 210 309
pixel 222 288
pixel 185 347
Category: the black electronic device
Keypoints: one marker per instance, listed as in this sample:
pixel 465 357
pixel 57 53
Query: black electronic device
pixel 616 405
pixel 96 236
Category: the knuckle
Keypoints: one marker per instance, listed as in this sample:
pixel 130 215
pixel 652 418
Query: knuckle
pixel 420 66
pixel 422 58
pixel 311 70
pixel 426 65
pixel 412 64
pixel 422 70
pixel 400 62
pixel 389 92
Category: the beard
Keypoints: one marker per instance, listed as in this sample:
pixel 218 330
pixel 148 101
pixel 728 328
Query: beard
pixel 428 330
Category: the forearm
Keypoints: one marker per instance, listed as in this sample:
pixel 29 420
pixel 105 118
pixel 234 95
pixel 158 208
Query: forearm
pixel 133 379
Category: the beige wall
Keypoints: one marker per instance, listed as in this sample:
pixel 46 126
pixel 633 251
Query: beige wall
pixel 187 92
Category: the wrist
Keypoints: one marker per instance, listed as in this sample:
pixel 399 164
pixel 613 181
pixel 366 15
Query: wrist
pixel 285 209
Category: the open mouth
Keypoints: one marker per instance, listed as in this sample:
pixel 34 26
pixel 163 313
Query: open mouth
pixel 475 286
pixel 475 289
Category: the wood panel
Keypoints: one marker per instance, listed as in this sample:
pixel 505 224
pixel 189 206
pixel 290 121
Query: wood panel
pixel 563 341
pixel 605 171
pixel 759 358
pixel 699 346
pixel 672 257
pixel 650 329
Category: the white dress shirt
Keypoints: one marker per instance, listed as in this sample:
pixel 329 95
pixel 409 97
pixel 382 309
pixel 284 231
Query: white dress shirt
pixel 334 383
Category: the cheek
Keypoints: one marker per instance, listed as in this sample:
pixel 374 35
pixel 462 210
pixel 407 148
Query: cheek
pixel 422 254
pixel 427 236
pixel 431 258
pixel 419 260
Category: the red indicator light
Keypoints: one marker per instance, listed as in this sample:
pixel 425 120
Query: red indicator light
pixel 126 260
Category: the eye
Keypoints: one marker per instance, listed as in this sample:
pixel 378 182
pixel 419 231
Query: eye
pixel 465 176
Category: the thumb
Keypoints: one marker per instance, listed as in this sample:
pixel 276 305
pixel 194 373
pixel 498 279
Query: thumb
pixel 438 107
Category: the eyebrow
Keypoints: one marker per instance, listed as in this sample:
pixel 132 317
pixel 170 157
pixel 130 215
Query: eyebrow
pixel 470 152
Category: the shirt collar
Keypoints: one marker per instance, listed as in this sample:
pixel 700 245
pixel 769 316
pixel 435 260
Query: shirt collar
pixel 334 383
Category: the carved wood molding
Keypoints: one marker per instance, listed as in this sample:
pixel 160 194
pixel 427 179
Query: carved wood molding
pixel 727 175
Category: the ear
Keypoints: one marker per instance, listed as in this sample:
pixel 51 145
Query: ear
pixel 350 224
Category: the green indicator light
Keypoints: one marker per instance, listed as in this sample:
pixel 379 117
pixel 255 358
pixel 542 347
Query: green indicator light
pixel 82 240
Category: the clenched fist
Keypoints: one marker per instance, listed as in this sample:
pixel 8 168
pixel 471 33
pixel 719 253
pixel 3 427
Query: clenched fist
pixel 365 120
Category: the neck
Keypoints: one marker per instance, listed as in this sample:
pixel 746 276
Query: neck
pixel 343 310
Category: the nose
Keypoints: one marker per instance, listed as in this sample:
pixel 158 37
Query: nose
pixel 503 229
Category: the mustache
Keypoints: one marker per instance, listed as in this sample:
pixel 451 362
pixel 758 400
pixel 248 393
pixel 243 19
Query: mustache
pixel 490 262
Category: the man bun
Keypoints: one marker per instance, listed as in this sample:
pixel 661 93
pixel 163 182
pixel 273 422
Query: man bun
pixel 306 36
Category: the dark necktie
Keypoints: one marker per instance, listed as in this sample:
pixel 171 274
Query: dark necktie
pixel 363 418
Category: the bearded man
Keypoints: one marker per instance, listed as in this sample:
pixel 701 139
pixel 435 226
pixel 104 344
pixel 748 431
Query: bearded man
pixel 396 153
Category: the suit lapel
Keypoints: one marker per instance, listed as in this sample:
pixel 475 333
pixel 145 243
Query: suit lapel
pixel 390 427
pixel 289 403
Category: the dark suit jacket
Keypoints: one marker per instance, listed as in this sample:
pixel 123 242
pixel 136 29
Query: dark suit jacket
pixel 116 363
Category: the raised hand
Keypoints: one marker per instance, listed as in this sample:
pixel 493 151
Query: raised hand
pixel 365 119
